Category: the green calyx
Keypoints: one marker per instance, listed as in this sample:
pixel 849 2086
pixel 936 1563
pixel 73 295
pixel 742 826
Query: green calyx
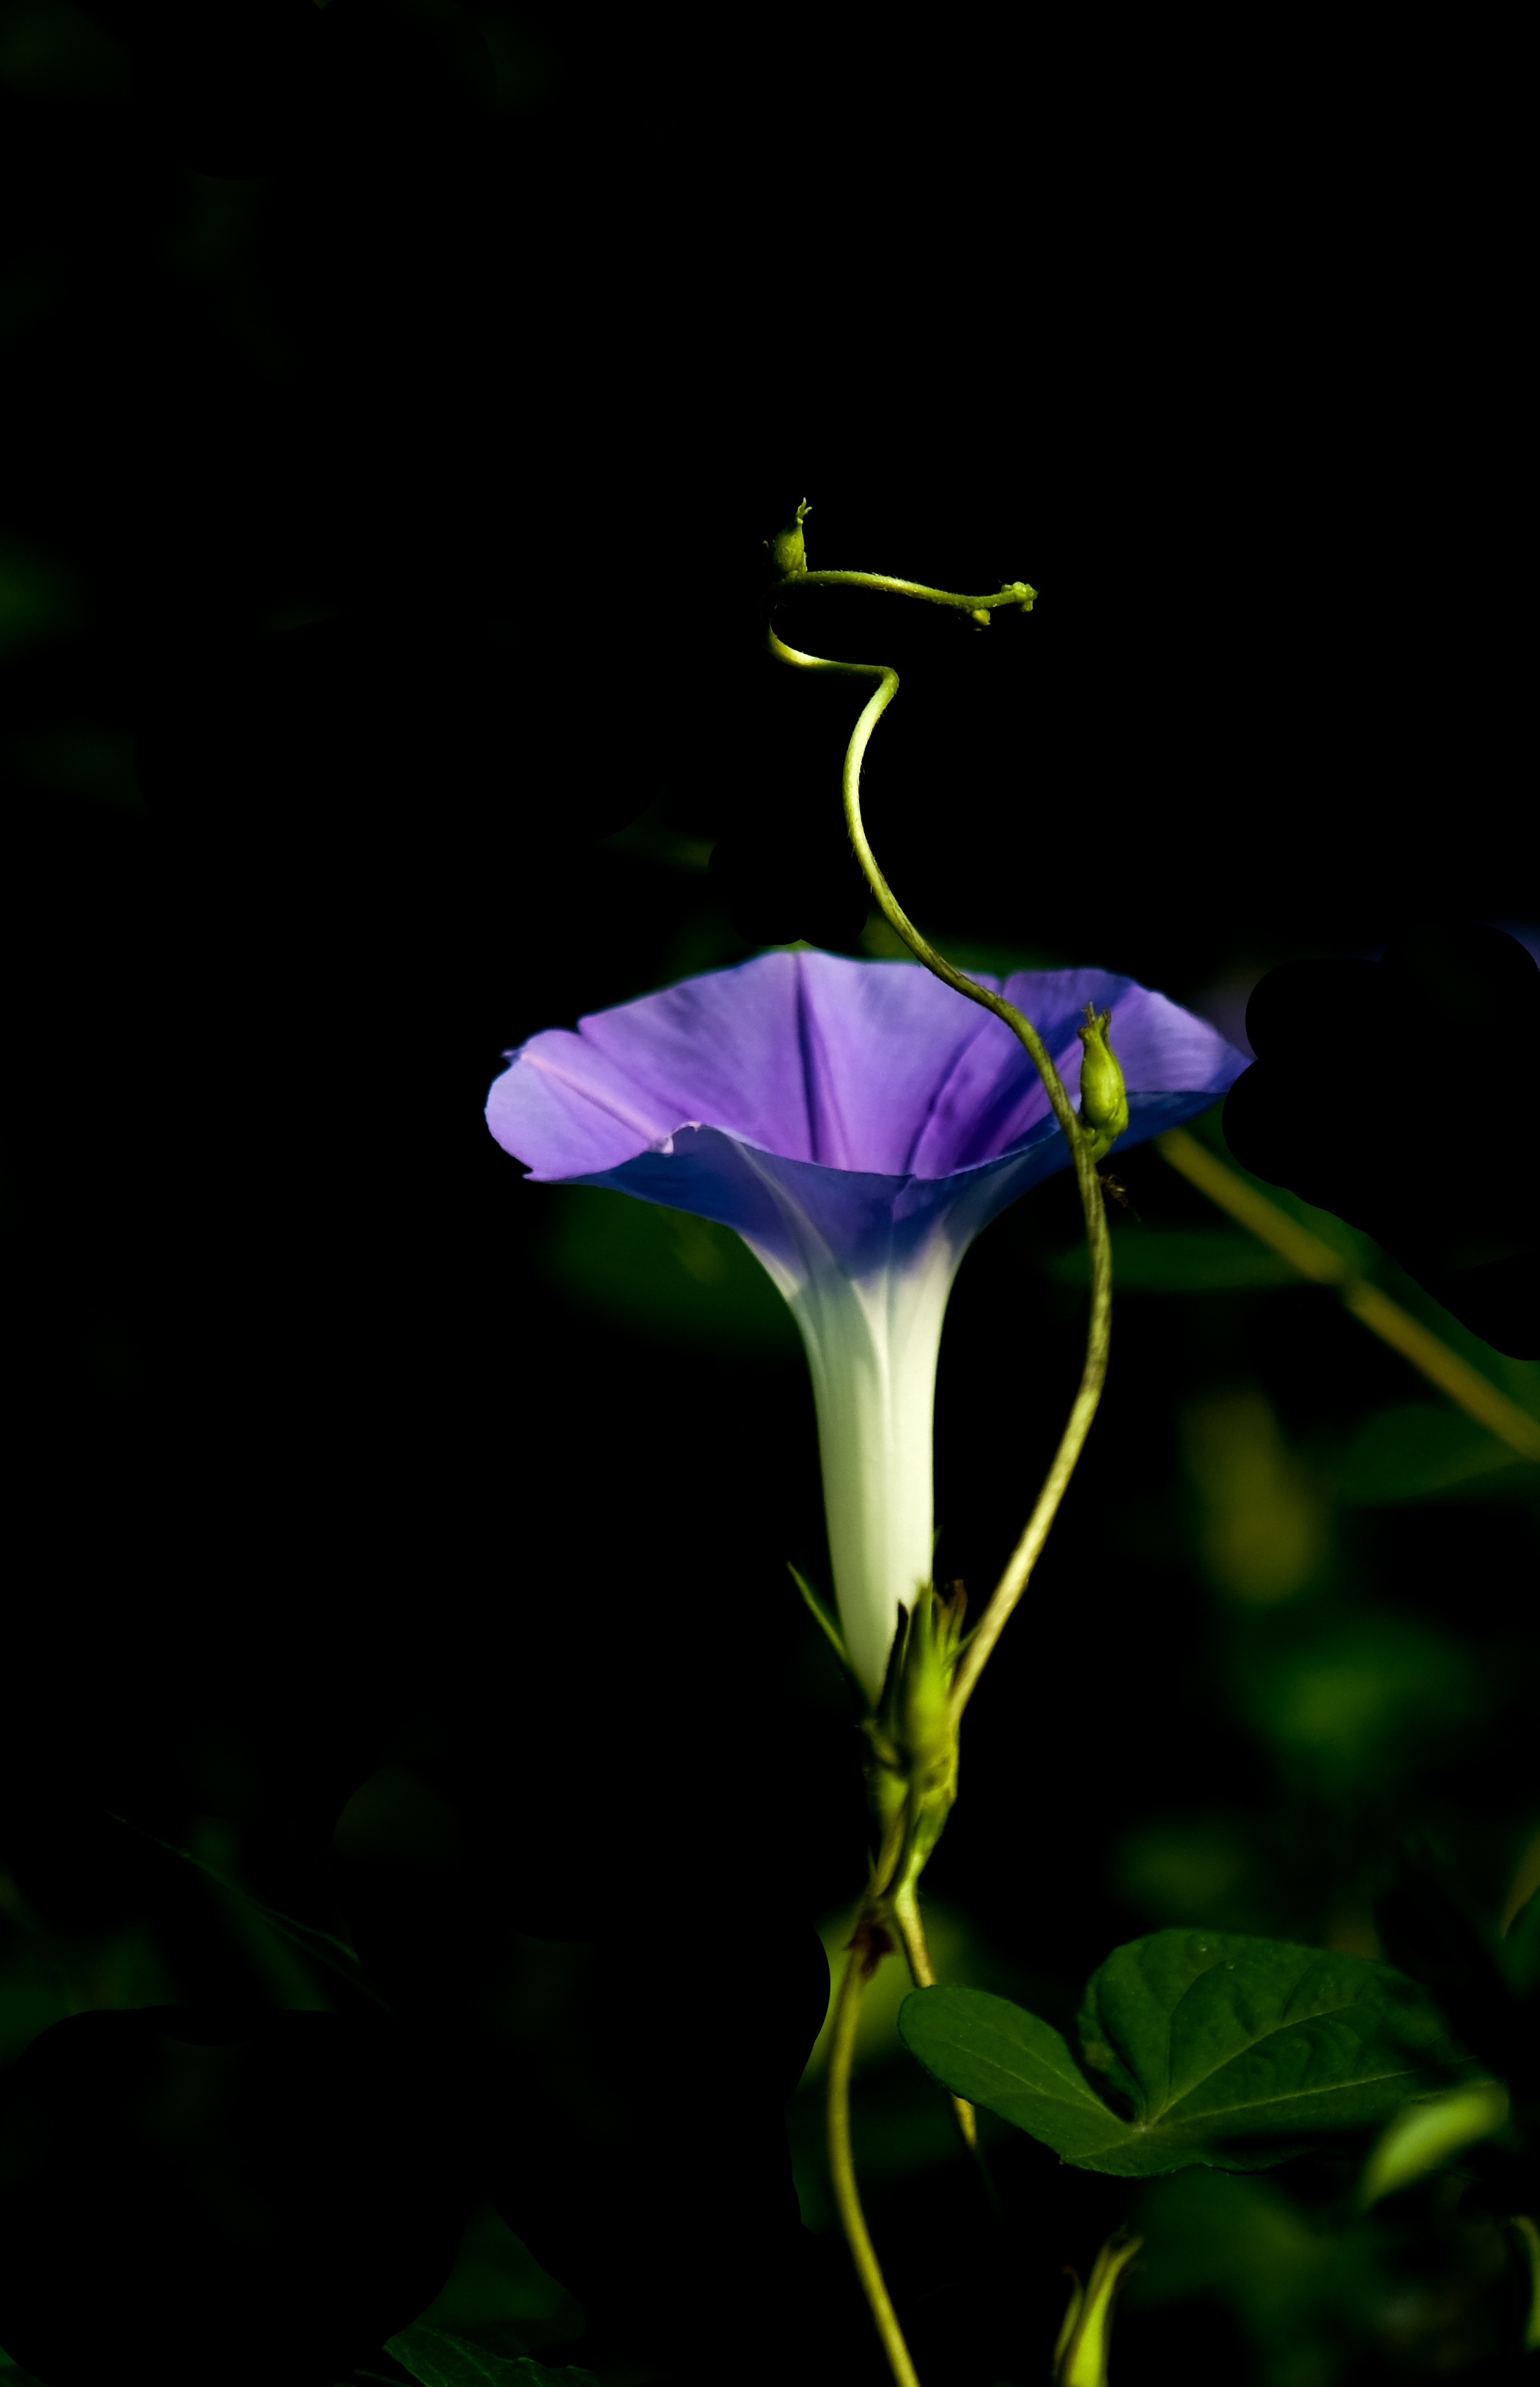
pixel 1103 1102
pixel 913 1735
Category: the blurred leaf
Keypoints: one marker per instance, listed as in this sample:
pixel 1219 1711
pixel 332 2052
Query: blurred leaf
pixel 1178 1259
pixel 50 49
pixel 442 2358
pixel 1431 1929
pixel 665 1273
pixel 1327 2296
pixel 1188 1870
pixel 40 596
pixel 1420 1450
pixel 81 761
pixel 1519 1379
pixel 324 1946
pixel 528 71
pixel 1428 1930
pixel 1356 1695
pixel 496 2285
pixel 1522 2224
pixel 27 2008
pixel 1427 2133
pixel 1290 2281
pixel 1228 2051
pixel 1266 1531
pixel 1520 1949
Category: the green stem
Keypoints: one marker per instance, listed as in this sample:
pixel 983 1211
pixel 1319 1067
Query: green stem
pixel 1094 1375
pixel 1465 1385
pixel 867 1950
pixel 1019 1570
pixel 911 1930
pixel 922 1972
pixel 1017 594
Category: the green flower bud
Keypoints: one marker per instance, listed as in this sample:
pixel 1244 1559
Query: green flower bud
pixel 913 1735
pixel 1020 591
pixel 1103 1103
pixel 1080 2356
pixel 787 549
pixel 979 618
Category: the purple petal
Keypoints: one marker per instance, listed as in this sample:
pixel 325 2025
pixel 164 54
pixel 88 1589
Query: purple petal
pixel 836 1111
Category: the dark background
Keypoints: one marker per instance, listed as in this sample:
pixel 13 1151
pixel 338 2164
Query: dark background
pixel 394 421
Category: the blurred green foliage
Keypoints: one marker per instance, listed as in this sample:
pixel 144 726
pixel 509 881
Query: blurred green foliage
pixel 41 596
pixel 1317 2290
pixel 663 1272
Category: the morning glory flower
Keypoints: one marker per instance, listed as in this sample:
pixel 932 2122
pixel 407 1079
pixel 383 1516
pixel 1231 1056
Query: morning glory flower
pixel 857 1123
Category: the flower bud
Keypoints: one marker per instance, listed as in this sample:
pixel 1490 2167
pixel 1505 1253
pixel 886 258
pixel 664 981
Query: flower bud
pixel 980 617
pixel 1080 2356
pixel 913 1734
pixel 787 549
pixel 1103 1103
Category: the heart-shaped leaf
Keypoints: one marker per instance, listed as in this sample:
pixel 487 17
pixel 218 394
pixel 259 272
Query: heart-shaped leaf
pixel 1214 2048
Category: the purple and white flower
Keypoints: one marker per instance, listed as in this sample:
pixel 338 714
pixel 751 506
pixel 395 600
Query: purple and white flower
pixel 857 1123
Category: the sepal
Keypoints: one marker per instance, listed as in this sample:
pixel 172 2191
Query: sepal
pixel 825 1620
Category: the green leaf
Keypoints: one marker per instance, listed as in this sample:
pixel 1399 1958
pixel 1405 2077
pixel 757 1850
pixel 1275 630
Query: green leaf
pixel 1178 1259
pixel 324 1946
pixel 442 2358
pixel 1214 2048
pixel 1015 2064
